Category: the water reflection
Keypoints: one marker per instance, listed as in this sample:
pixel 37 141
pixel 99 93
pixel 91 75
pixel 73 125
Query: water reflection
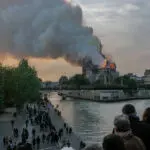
pixel 91 120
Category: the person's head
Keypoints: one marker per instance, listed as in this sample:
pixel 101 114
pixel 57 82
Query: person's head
pixel 113 142
pixel 146 115
pixel 128 109
pixel 94 147
pixel 68 144
pixel 121 123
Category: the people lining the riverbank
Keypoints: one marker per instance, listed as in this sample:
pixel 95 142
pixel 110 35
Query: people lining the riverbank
pixel 122 128
pixel 139 128
pixel 129 133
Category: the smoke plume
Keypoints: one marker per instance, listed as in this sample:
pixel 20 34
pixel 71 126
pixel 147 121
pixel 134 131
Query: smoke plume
pixel 48 28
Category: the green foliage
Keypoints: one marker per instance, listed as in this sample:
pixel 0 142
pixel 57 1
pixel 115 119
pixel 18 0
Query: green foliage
pixel 78 80
pixel 1 87
pixel 126 81
pixel 19 85
pixel 63 80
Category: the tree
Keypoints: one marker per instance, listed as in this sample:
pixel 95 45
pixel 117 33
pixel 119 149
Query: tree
pixel 79 80
pixel 18 85
pixel 1 86
pixel 27 83
pixel 63 80
pixel 126 81
pixel 9 85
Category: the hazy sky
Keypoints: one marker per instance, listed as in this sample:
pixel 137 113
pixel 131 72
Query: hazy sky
pixel 124 29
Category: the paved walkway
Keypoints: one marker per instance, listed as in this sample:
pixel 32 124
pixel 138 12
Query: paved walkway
pixel 58 122
pixel 6 129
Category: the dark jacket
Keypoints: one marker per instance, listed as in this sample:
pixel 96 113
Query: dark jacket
pixel 141 130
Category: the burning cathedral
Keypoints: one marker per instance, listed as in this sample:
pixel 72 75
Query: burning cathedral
pixel 105 73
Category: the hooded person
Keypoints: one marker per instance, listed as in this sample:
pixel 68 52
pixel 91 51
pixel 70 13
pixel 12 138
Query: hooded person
pixel 122 129
pixel 139 128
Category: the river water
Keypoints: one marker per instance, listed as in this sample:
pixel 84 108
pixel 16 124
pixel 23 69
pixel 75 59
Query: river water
pixel 92 120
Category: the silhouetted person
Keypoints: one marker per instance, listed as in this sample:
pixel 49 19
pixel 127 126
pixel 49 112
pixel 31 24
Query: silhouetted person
pixel 17 132
pixel 15 114
pixel 60 133
pixel 82 144
pixel 26 133
pixel 33 132
pixel 7 140
pixel 4 140
pixel 139 128
pixel 48 138
pixel 56 138
pixel 43 138
pixel 67 130
pixel 65 125
pixel 12 123
pixel 41 127
pixel 122 128
pixel 38 140
pixel 70 130
pixel 33 142
pixel 27 122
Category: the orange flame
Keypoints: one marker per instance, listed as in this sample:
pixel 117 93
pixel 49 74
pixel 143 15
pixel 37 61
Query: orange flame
pixel 112 66
pixel 104 64
pixel 107 63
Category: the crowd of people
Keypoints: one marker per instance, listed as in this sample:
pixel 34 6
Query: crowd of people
pixel 129 132
pixel 43 130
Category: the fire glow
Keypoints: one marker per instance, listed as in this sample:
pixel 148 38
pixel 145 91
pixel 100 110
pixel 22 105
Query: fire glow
pixel 67 1
pixel 108 64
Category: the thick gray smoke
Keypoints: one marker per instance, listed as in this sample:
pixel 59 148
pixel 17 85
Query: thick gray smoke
pixel 47 28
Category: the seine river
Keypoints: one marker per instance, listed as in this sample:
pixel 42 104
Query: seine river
pixel 92 120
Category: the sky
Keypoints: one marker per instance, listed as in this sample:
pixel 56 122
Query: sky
pixel 122 26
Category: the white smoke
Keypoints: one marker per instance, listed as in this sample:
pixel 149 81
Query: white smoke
pixel 47 28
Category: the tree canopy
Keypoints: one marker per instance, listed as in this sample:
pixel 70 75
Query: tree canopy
pixel 63 80
pixel 126 81
pixel 1 86
pixel 78 80
pixel 18 84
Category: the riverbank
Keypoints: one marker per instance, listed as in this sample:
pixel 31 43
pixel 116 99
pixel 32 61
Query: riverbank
pixel 103 96
pixel 104 101
pixel 93 120
pixel 58 122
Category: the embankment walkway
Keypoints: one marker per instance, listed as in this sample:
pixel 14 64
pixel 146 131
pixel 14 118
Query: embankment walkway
pixel 57 121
